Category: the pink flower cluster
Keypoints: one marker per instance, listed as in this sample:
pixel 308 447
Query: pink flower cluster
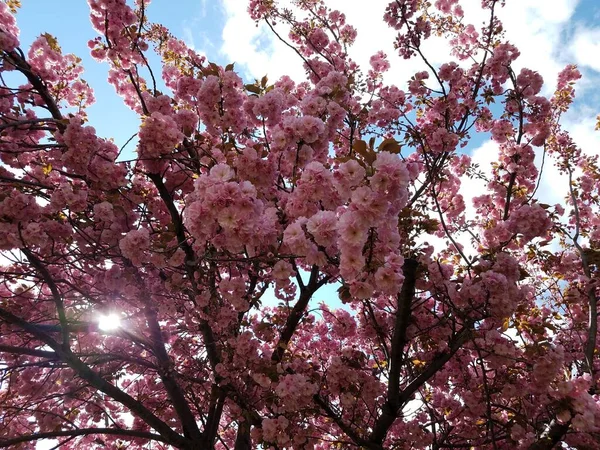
pixel 88 155
pixel 240 193
pixel 9 32
pixel 295 391
pixel 464 43
pixel 159 134
pixel 134 246
pixel 397 16
pixel 530 221
pixel 220 100
pixel 228 213
pixel 379 62
pixel 16 208
pixel 445 6
pixel 59 71
pixel 275 430
pixel 497 66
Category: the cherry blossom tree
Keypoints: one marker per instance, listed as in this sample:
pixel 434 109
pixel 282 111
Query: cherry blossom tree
pixel 468 322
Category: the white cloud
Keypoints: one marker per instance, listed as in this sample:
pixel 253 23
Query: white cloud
pixel 483 156
pixel 188 37
pixel 585 46
pixel 581 124
pixel 254 49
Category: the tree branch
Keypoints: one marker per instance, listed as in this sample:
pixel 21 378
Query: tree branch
pixel 205 328
pixel 551 436
pixel 386 420
pixel 436 364
pixel 390 409
pixel 306 293
pixel 188 421
pixel 343 426
pixel 24 351
pixel 56 295
pixel 83 432
pixel 38 84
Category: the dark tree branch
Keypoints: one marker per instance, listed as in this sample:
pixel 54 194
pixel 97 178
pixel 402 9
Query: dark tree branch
pixel 404 302
pixel 214 416
pixel 56 295
pixel 386 420
pixel 24 351
pixel 190 262
pixel 132 434
pixel 306 293
pixel 436 364
pixel 343 426
pixel 404 305
pixel 243 440
pixel 166 372
pixel 38 84
pixel 551 436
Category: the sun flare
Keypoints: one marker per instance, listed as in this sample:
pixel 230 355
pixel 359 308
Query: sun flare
pixel 109 322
